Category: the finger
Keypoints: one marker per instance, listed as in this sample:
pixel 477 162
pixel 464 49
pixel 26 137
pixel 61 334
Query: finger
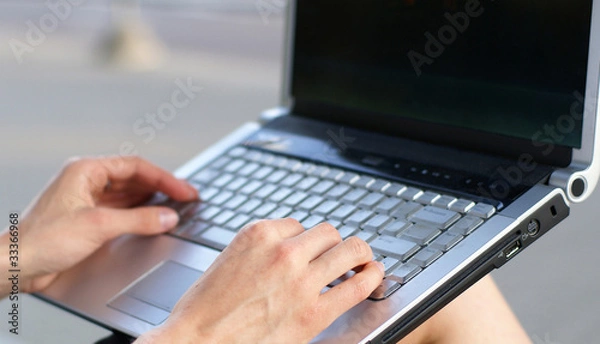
pixel 317 240
pixel 123 200
pixel 351 292
pixel 111 223
pixel 345 256
pixel 282 228
pixel 133 170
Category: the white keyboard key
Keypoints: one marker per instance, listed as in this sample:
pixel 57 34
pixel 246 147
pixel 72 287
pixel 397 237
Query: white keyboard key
pixel 395 247
pixel 248 169
pixel 217 237
pixel 238 222
pixel 338 191
pixel 280 195
pixel 379 185
pixel 405 272
pixel 421 234
pixel 425 257
pixel 342 212
pixel 365 235
pixel 346 231
pixel 326 208
pixel 264 210
pixel 251 187
pixel 388 206
pixel 322 187
pixel 396 227
pixel 389 264
pixel 310 203
pixel 395 189
pixel 295 198
pixel 441 218
pixel 291 180
pixel 206 176
pixel 406 209
pixel 221 198
pixel 249 206
pixel 280 213
pixel 237 151
pixel 485 211
pixel 236 184
pixel 371 200
pixel 462 205
pixel 312 221
pixel 446 241
pixel 444 202
pixel 306 183
pixel 358 218
pixel 333 174
pixel 363 182
pixel 348 178
pixel 411 194
pixel 377 223
pixel 299 215
pixel 223 180
pixel 354 196
pixel 277 176
pixel 466 225
pixel 234 165
pixel 265 190
pixel 262 172
pixel 428 198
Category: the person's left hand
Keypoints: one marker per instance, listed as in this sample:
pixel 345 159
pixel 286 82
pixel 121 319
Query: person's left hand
pixel 86 205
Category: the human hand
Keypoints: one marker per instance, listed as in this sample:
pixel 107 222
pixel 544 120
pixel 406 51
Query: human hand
pixel 266 287
pixel 86 205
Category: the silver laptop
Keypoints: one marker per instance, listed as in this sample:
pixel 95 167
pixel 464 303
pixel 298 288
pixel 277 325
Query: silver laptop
pixel 449 135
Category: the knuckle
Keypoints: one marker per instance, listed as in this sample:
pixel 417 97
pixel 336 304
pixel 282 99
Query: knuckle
pixel 286 252
pixel 358 248
pixel 290 222
pixel 331 230
pixel 258 231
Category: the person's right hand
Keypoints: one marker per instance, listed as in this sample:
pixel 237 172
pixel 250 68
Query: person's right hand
pixel 266 287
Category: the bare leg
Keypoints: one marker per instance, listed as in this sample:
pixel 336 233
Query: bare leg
pixel 479 315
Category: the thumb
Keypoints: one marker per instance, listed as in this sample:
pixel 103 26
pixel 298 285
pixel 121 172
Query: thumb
pixel 143 220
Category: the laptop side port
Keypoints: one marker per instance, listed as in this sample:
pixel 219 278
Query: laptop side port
pixel 512 249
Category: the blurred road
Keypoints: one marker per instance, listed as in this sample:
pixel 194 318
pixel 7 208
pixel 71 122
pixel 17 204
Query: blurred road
pixel 61 101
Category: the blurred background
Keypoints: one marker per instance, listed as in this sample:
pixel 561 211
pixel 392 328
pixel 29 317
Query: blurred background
pixel 75 78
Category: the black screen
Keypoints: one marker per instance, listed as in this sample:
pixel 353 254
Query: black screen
pixel 508 67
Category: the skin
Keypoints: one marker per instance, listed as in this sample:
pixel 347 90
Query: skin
pixel 275 270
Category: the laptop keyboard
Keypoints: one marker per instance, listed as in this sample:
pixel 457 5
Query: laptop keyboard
pixel 408 228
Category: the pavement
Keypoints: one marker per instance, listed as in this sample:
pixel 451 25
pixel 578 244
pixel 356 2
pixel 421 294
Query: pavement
pixel 63 101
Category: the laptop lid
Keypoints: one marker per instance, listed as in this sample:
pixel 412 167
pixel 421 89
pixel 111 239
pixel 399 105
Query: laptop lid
pixel 506 77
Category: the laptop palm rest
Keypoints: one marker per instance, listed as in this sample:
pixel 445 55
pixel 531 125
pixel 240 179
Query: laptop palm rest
pixel 152 298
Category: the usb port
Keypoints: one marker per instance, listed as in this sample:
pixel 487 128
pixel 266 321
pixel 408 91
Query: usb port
pixel 511 250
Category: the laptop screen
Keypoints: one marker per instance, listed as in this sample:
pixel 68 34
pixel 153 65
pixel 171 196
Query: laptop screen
pixel 508 67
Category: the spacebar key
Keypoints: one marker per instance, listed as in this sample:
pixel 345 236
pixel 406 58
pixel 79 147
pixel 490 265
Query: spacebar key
pixel 216 237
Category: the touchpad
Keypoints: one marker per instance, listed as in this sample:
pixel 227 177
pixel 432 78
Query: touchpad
pixel 161 288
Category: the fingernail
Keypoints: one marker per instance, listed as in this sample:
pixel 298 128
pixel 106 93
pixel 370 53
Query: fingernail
pixel 168 219
pixel 380 266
